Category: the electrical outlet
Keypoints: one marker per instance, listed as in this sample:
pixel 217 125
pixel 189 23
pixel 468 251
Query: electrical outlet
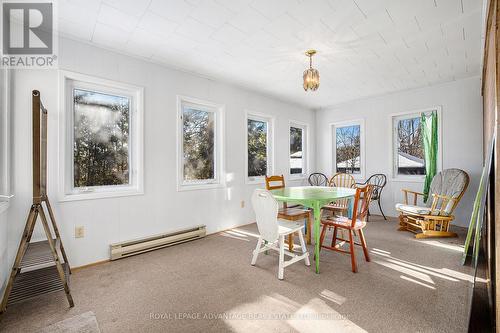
pixel 242 203
pixel 79 232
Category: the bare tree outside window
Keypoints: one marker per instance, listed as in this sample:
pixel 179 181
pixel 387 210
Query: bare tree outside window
pixel 257 147
pixel 101 139
pixel 198 144
pixel 410 159
pixel 296 153
pixel 348 149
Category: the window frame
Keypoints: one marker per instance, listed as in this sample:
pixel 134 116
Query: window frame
pixel 5 142
pixel 362 152
pixel 305 149
pixel 270 145
pixel 219 167
pixel 69 81
pixel 393 130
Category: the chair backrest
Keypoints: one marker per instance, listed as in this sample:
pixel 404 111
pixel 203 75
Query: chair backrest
pixel 342 180
pixel 362 200
pixel 275 182
pixel 317 179
pixel 450 183
pixel 266 214
pixel 378 180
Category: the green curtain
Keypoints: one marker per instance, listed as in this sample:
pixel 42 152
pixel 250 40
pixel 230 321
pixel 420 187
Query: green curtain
pixel 429 127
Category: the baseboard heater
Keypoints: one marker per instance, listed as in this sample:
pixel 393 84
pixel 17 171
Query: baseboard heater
pixel 133 247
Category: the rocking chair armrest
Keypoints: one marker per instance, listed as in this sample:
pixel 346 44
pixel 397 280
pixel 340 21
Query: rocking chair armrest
pixel 442 196
pixel 445 200
pixel 415 196
pixel 438 217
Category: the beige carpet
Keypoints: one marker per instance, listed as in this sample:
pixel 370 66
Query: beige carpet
pixel 82 323
pixel 209 286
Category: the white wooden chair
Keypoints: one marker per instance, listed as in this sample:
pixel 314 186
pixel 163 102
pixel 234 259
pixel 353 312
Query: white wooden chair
pixel 273 231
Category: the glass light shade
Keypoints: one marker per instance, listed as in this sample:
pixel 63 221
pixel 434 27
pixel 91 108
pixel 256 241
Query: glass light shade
pixel 311 79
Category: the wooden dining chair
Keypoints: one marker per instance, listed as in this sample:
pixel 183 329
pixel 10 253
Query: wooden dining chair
pixel 351 225
pixel 340 206
pixel 293 213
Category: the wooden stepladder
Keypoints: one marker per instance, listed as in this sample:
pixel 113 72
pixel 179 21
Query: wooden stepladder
pixel 38 268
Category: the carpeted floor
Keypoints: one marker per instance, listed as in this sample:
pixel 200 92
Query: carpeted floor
pixel 209 286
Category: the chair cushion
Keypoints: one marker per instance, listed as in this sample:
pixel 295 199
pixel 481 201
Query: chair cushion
pixel 449 182
pixel 343 221
pixel 411 209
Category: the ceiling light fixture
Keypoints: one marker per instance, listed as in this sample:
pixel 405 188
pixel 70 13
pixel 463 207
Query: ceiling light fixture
pixel 311 75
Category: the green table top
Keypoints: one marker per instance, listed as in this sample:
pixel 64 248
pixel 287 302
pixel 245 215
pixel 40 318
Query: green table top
pixel 312 193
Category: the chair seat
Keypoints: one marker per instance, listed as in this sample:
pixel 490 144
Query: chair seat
pixel 335 207
pixel 287 227
pixel 292 212
pixel 298 206
pixel 343 222
pixel 412 209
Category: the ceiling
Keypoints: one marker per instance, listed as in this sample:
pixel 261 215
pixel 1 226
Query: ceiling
pixel 365 47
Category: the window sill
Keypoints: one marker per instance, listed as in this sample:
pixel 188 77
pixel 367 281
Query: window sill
pixel 99 195
pixel 408 180
pixel 297 176
pixel 197 187
pixel 255 181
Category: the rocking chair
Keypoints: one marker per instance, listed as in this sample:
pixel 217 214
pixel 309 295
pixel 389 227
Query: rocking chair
pixel 434 219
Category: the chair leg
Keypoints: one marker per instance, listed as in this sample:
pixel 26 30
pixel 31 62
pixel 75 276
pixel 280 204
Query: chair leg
pixel 290 242
pixel 334 239
pixel 281 265
pixel 380 207
pixel 353 255
pixel 304 249
pixel 368 216
pixel 322 236
pixel 309 222
pixel 363 244
pixel 256 251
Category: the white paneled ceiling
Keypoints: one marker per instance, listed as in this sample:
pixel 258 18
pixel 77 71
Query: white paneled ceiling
pixel 365 47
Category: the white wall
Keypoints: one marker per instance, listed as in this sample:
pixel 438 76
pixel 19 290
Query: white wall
pixel 461 104
pixel 4 167
pixel 4 262
pixel 161 208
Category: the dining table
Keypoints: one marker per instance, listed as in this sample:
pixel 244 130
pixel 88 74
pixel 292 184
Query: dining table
pixel 314 197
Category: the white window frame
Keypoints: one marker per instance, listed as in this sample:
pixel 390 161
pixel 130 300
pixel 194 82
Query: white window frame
pixel 305 149
pixel 333 142
pixel 219 113
pixel 67 82
pixel 5 141
pixel 393 118
pixel 270 145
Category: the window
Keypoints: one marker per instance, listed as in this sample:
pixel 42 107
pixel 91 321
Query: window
pixel 103 138
pixel 408 149
pixel 200 144
pixel 348 142
pixel 259 147
pixel 298 150
pixel 5 192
